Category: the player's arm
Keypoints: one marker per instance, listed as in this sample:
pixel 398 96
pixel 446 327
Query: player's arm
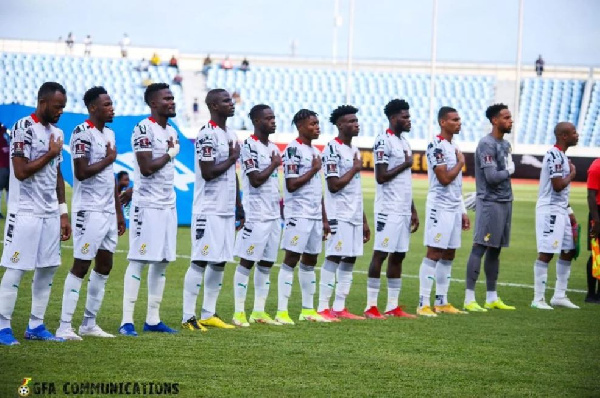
pixel 326 226
pixel 335 183
pixel 257 178
pixel 446 176
pixel 294 183
pixel 25 168
pixel 383 173
pixel 559 183
pixel 487 157
pixel 82 167
pixel 240 214
pixel 119 210
pixel 149 166
pixel 65 225
pixel 414 218
pixel 209 167
pixel 366 229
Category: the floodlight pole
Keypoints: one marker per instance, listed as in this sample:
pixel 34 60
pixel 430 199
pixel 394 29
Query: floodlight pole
pixel 337 22
pixel 515 112
pixel 350 47
pixel 432 70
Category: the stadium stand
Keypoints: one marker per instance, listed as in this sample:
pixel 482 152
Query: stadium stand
pixel 545 102
pixel 22 74
pixel 591 127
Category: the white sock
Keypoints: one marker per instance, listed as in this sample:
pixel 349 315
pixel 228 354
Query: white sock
pixel 394 286
pixel 426 277
pixel 540 277
pixel 563 271
pixel 443 273
pixel 131 287
pixel 469 296
pixel 191 288
pixel 240 287
pixel 95 295
pixel 213 280
pixel 40 294
pixel 156 288
pixel 373 285
pixel 69 300
pixel 285 281
pixel 9 287
pixel 308 285
pixel 342 289
pixel 327 284
pixel 261 287
pixel 491 296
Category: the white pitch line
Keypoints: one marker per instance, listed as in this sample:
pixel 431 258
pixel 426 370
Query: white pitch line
pixel 508 284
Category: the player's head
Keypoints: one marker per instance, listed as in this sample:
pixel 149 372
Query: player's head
pixel 219 103
pixel 160 99
pixel 566 133
pixel 500 117
pixel 263 119
pixel 122 179
pixel 307 123
pixel 344 118
pixel 397 113
pixel 51 101
pixel 449 120
pixel 99 104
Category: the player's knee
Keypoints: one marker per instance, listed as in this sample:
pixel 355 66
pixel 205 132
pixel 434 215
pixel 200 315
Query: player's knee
pixel 309 259
pixel 545 257
pixel 246 263
pixel 335 259
pixel 349 260
pixel 434 254
pixel 568 255
pixel 80 267
pixel 291 259
pixel 449 254
pixel 478 250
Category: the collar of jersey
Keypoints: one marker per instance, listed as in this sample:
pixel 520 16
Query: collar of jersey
pixel 557 147
pixel 390 132
pixel 442 138
pixel 89 122
pixel 35 118
pixel 299 141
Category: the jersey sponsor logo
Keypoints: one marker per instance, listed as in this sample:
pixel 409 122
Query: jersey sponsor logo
pixel 85 249
pixel 80 149
pixel 15 258
pixel 143 249
pixel 205 250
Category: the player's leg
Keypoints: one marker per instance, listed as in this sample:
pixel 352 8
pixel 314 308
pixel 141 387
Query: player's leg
pixel 427 275
pixel 342 289
pixel 394 268
pixel 241 278
pixel 384 233
pixel 306 273
pixel 192 282
pixel 70 297
pixel 443 268
pixel 9 288
pixel 333 247
pixel 482 234
pixel 563 267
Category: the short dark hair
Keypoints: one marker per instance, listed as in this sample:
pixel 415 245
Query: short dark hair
pixel 257 110
pixel 121 173
pixel 303 114
pixel 342 110
pixel 50 88
pixel 152 89
pixel 92 94
pixel 493 111
pixel 210 96
pixel 395 106
pixel 444 111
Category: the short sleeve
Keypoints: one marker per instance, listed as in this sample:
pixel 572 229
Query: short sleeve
pixel 487 155
pixel 291 162
pixel 21 142
pixel 206 147
pixel 435 155
pixel 80 144
pixel 555 165
pixel 593 179
pixel 249 158
pixel 142 138
pixel 381 151
pixel 331 161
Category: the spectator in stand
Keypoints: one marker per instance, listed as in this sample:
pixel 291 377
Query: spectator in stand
pixel 173 63
pixel 70 42
pixel 196 109
pixel 236 97
pixel 155 60
pixel 143 66
pixel 227 64
pixel 177 79
pixel 125 191
pixel 593 188
pixel 206 65
pixel 4 162
pixel 539 66
pixel 124 43
pixel 245 66
pixel 88 45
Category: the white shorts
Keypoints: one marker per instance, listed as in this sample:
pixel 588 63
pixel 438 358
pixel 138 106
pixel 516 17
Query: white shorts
pixel 392 233
pixel 302 235
pixel 553 232
pixel 212 238
pixel 258 241
pixel 93 231
pixel 152 234
pixel 443 228
pixel 31 242
pixel 346 239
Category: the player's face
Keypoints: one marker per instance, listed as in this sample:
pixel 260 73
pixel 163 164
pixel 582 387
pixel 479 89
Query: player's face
pixel 124 182
pixel 403 123
pixel 224 105
pixel 572 136
pixel 103 108
pixel 451 123
pixel 266 122
pixel 309 128
pixel 348 125
pixel 53 106
pixel 504 121
pixel 165 103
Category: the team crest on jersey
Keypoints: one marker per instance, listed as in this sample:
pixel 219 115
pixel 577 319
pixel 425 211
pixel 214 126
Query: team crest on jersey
pixel 332 168
pixel 80 149
pixel 487 237
pixel 385 242
pixel 555 244
pixel 144 142
pixel 437 237
pixel 85 249
pixel 249 163
pixel 292 168
pixel 143 249
pixel 294 240
pixel 18 148
pixel 488 159
pixel 15 258
pixel 205 250
pixel 379 155
pixel 338 247
pixel 250 250
pixel 207 152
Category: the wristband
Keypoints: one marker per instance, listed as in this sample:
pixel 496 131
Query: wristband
pixel 569 210
pixel 172 152
pixel 63 208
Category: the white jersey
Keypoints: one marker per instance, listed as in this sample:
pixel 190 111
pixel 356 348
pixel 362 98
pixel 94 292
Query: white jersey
pixel 96 193
pixel 395 196
pixel 442 152
pixel 217 196
pixel 156 191
pixel 554 165
pixel 305 202
pixel 347 203
pixel 262 203
pixel 36 195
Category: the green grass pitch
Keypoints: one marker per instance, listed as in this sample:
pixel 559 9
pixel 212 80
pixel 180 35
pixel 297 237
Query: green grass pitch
pixel 512 353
